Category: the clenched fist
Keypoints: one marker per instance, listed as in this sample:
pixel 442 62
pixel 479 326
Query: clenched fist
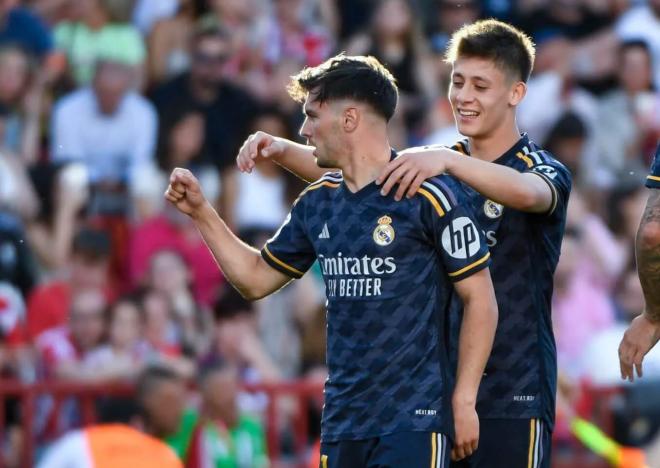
pixel 184 192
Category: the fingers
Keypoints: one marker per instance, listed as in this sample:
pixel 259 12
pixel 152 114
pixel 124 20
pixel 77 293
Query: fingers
pixel 625 360
pixel 404 183
pixel 415 185
pixel 458 453
pixel 393 179
pixel 391 166
pixel 637 361
pixel 175 194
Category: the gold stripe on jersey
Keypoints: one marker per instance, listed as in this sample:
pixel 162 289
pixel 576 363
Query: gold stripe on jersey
pixel 525 158
pixel 434 450
pixel 652 177
pixel 433 201
pixel 471 265
pixel 281 263
pixel 317 185
pixel 532 438
pixel 460 147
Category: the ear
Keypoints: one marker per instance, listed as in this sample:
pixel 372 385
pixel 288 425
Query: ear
pixel 350 119
pixel 518 91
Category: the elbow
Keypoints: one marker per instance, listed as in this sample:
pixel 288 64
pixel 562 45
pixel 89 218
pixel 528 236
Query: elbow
pixel 251 294
pixel 648 236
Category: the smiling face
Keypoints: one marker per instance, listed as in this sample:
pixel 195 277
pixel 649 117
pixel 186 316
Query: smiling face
pixel 483 97
pixel 322 130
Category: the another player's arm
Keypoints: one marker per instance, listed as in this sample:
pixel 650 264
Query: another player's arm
pixel 241 264
pixel 525 191
pixel 475 343
pixel 294 157
pixel 647 247
pixel 644 331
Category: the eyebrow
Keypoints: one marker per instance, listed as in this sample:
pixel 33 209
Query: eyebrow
pixel 473 78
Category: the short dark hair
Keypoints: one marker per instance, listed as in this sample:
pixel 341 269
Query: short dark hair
pixel 508 47
pixel 360 78
pixel 92 245
pixel 210 368
pixel 150 378
pixel 231 305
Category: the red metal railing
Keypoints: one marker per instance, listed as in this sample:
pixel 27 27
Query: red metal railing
pixel 86 394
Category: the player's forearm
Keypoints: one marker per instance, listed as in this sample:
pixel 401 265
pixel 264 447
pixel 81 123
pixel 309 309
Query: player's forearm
pixel 513 189
pixel 299 160
pixel 475 344
pixel 648 256
pixel 240 263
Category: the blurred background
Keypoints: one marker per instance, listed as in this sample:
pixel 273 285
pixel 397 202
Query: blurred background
pixel 100 279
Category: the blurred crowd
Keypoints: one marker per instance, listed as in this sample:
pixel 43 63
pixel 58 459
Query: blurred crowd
pixel 100 99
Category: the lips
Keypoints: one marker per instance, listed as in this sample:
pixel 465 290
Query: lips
pixel 468 113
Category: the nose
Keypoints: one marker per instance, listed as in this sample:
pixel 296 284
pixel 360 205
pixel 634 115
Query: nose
pixel 304 129
pixel 463 95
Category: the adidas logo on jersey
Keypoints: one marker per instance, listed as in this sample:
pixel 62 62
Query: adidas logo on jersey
pixel 325 233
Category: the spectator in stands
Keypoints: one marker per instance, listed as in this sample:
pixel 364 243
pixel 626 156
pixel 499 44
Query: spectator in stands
pixel 237 341
pixel 180 142
pixel 125 353
pixel 171 231
pixel 161 394
pixel 220 434
pixel 642 22
pixel 170 276
pixel 21 94
pixel 256 203
pixel 580 307
pixel 62 350
pixel 628 125
pixel 163 334
pixel 49 303
pixel 96 32
pixel 395 39
pixel 113 114
pixel 246 22
pixel 227 110
pixel 19 26
pixel 169 42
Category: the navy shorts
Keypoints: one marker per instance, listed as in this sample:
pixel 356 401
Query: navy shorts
pixel 510 443
pixel 401 449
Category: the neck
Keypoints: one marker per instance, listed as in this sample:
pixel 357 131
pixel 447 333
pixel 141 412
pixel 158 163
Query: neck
pixel 365 161
pixel 491 147
pixel 96 19
pixel 230 418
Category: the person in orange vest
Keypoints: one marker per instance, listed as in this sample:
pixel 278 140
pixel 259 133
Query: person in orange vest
pixel 117 441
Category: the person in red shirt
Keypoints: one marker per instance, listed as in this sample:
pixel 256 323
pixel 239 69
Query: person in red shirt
pixel 48 305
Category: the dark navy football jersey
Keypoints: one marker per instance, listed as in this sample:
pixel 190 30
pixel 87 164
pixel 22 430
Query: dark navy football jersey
pixel 653 179
pixel 388 269
pixel 520 379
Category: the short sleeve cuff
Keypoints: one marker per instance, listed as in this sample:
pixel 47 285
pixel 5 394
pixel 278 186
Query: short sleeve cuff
pixel 470 269
pixel 280 265
pixel 653 181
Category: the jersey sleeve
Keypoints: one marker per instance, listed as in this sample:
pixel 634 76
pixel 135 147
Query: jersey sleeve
pixel 653 179
pixel 558 178
pixel 453 229
pixel 290 251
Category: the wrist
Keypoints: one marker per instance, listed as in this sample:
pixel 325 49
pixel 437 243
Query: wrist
pixel 462 399
pixel 202 212
pixel 652 316
pixel 451 162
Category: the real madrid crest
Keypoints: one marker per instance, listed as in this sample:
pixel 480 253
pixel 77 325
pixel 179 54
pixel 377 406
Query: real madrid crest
pixel 384 232
pixel 493 210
